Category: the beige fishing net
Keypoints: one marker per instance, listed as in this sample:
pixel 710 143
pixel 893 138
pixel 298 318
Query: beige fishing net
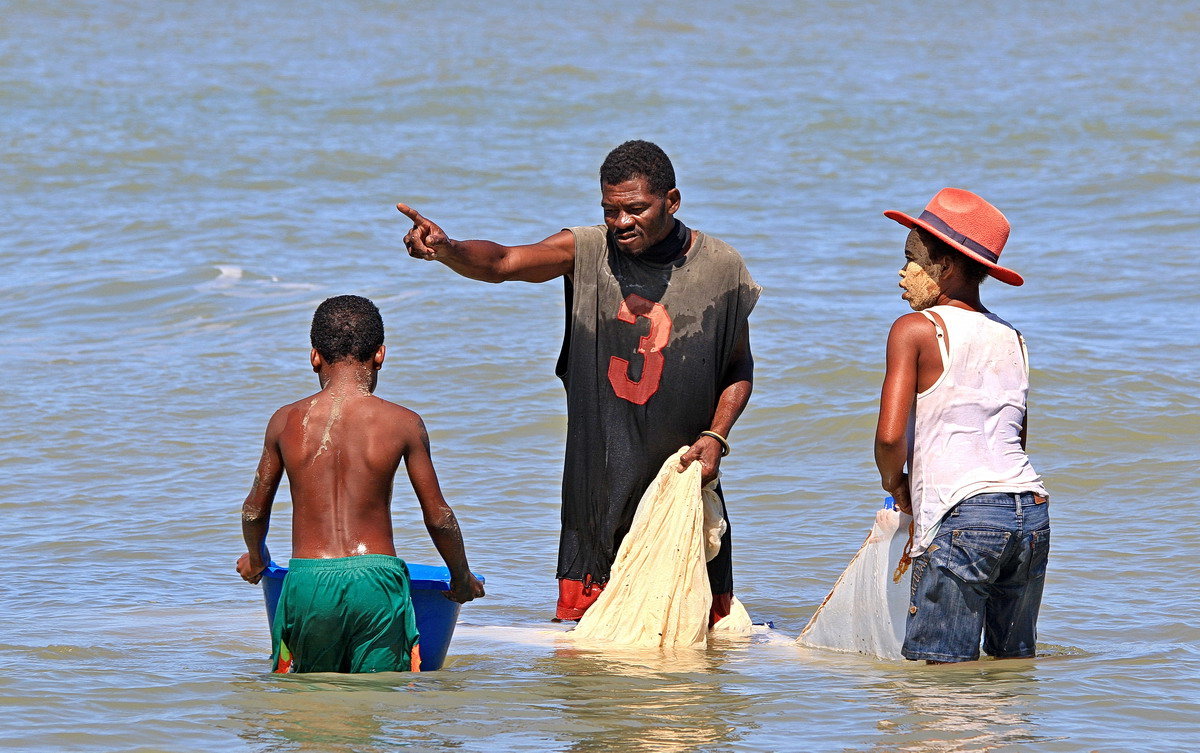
pixel 658 592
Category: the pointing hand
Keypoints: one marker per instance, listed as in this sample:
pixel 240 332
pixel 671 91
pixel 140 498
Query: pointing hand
pixel 425 239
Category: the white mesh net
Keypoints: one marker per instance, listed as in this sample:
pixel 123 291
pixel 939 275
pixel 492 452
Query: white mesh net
pixel 866 610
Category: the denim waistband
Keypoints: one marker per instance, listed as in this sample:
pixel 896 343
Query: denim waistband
pixel 1005 499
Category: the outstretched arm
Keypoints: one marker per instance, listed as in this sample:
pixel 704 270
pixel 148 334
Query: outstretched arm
pixel 738 383
pixel 439 518
pixel 488 261
pixel 895 406
pixel 256 510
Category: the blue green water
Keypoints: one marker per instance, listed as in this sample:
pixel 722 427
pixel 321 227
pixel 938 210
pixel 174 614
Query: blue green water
pixel 182 184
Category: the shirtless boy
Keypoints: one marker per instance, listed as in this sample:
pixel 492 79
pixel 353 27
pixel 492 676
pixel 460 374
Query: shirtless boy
pixel 345 605
pixel 954 408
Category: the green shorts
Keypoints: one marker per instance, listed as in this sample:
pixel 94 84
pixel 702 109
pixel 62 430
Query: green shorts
pixel 347 614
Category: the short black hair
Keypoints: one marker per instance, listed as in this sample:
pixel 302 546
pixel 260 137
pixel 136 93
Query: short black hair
pixel 347 326
pixel 638 158
pixel 973 272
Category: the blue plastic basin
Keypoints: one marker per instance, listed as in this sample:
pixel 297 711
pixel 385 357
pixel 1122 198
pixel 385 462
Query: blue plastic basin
pixel 436 615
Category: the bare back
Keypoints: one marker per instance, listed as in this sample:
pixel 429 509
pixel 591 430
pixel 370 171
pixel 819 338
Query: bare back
pixel 340 452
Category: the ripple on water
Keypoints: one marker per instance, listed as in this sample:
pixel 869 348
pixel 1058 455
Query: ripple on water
pixel 185 183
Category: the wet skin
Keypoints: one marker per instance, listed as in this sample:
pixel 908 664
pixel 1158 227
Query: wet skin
pixel 637 218
pixel 341 448
pixel 914 361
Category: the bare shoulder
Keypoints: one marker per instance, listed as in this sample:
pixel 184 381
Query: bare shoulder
pixel 296 408
pixel 279 418
pixel 401 420
pixel 284 423
pixel 911 325
pixel 911 333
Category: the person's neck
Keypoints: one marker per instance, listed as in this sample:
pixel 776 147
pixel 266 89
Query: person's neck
pixel 348 378
pixel 674 246
pixel 962 299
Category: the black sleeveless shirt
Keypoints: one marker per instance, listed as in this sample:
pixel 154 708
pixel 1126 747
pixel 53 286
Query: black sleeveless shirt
pixel 643 359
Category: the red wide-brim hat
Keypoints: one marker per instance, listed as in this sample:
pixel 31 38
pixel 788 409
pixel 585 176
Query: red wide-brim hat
pixel 969 225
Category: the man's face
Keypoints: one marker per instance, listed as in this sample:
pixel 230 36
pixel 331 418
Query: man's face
pixel 636 217
pixel 921 276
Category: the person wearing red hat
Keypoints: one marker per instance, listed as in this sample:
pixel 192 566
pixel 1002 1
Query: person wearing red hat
pixel 953 410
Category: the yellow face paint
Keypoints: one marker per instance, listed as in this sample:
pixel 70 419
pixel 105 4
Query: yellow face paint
pixel 920 275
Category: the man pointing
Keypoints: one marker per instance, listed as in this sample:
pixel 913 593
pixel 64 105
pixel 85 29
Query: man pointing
pixel 656 354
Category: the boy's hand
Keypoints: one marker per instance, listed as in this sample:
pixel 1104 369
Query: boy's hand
pixel 249 572
pixel 464 590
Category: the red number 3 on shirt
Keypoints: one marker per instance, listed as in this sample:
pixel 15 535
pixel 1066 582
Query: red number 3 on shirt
pixel 650 347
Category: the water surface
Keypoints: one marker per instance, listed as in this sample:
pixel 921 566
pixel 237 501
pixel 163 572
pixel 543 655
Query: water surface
pixel 183 183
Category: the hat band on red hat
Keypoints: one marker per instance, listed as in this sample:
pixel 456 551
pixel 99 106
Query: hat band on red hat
pixel 937 223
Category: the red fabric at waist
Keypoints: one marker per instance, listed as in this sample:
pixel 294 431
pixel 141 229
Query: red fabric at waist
pixel 575 596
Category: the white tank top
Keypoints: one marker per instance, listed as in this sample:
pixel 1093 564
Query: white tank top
pixel 966 429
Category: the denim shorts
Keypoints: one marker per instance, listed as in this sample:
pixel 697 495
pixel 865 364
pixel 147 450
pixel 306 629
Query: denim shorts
pixel 982 574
